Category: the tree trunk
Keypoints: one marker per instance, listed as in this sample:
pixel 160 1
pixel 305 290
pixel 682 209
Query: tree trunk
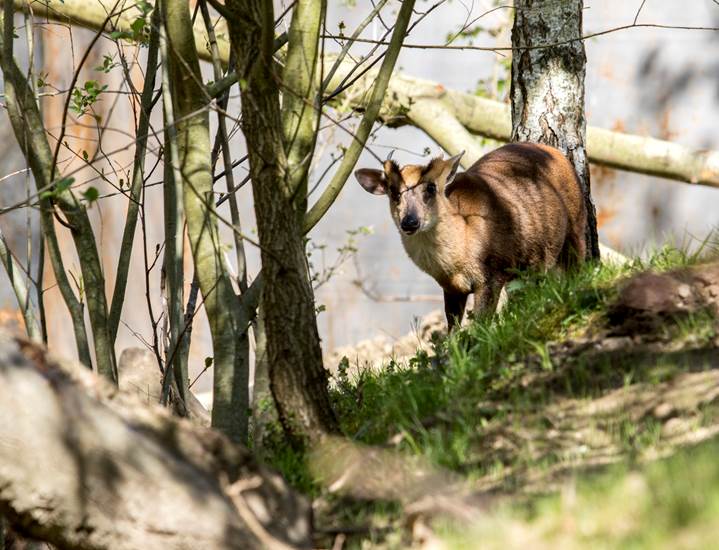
pixel 231 377
pixel 548 87
pixel 83 465
pixel 297 376
pixel 479 115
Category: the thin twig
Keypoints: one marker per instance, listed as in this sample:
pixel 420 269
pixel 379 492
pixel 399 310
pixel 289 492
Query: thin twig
pixel 542 46
pixel 638 12
pixel 75 76
pixel 128 235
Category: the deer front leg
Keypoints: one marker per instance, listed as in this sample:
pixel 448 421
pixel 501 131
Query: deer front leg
pixel 454 304
pixel 486 297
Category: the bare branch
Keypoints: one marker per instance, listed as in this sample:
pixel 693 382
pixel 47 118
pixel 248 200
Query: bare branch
pixel 372 111
pixel 14 273
pixel 301 98
pixel 138 179
pixel 497 49
pixel 638 12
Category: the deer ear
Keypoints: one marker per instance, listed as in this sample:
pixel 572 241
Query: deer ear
pixel 373 181
pixel 452 165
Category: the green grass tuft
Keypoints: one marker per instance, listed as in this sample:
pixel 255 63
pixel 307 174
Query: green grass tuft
pixel 482 401
pixel 436 406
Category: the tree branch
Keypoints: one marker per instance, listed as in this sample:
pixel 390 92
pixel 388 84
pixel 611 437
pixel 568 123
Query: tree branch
pixel 379 87
pixel 485 117
pixel 138 179
pixel 92 14
pixel 300 98
pixel 14 273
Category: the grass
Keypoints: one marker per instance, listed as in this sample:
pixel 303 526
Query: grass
pixel 482 403
pixel 670 503
pixel 436 406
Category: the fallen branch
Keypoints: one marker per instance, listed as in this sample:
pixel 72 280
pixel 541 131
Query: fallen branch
pixel 450 118
pixel 406 96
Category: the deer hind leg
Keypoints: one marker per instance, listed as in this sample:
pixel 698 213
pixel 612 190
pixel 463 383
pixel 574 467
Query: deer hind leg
pixel 573 250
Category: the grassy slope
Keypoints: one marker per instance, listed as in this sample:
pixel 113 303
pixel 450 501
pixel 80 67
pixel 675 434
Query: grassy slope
pixel 672 503
pixel 511 405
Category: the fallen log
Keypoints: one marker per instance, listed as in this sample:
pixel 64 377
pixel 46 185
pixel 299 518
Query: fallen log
pixel 85 465
pixel 427 105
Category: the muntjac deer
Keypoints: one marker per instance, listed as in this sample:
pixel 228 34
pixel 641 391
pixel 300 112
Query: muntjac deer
pixel 518 207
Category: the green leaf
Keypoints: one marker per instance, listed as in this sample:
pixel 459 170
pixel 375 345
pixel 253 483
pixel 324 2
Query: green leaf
pixel 63 184
pixel 138 25
pixel 91 194
pixel 116 35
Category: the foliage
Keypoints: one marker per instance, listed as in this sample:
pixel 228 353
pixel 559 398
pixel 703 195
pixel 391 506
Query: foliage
pixel 84 98
pixel 139 28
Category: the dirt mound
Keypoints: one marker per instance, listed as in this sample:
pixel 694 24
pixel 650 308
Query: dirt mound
pixel 373 354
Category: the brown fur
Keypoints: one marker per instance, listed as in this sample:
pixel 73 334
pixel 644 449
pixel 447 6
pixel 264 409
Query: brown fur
pixel 517 207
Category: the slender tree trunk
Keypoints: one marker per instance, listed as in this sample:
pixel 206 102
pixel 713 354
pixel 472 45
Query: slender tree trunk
pixel 548 87
pixel 174 215
pixel 138 177
pixel 300 98
pixel 230 387
pixel 29 131
pixel 297 376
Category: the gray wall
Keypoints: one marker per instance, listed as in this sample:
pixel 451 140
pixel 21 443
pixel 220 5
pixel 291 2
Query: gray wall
pixel 661 83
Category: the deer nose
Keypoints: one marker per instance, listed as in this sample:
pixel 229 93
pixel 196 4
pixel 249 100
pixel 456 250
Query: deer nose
pixel 410 223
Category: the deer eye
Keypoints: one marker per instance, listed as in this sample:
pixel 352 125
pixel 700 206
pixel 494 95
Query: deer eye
pixel 431 190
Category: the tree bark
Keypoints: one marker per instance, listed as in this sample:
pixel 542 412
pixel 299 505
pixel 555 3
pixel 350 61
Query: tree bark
pixel 548 88
pixel 30 134
pixel 190 103
pixel 297 376
pixel 83 465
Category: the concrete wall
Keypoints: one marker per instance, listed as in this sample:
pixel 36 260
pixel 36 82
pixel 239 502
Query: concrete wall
pixel 662 83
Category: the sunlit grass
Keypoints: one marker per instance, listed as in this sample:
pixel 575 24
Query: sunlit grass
pixel 435 406
pixel 439 406
pixel 671 503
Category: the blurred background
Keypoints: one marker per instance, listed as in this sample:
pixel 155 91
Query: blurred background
pixel 649 81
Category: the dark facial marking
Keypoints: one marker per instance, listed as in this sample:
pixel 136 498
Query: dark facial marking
pixel 430 191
